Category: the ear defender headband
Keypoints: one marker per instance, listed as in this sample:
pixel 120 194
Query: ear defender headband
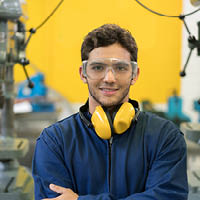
pixel 104 125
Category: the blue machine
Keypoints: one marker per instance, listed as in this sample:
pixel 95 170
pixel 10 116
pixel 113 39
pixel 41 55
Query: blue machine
pixel 39 89
pixel 36 95
pixel 197 108
pixel 175 113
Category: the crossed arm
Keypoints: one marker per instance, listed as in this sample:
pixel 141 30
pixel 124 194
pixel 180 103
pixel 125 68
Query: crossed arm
pixel 65 193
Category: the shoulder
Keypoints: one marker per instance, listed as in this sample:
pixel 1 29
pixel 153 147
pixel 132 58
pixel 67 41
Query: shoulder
pixel 162 135
pixel 160 132
pixel 61 130
pixel 156 125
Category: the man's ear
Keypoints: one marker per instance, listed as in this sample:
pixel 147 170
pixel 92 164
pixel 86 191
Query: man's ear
pixel 83 78
pixel 135 78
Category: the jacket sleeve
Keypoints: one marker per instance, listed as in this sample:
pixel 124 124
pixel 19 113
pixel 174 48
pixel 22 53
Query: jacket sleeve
pixel 167 178
pixel 48 167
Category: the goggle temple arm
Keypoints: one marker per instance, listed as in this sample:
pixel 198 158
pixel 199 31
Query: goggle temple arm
pixel 84 67
pixel 134 68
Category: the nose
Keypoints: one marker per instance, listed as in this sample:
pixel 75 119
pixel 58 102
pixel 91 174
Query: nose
pixel 109 75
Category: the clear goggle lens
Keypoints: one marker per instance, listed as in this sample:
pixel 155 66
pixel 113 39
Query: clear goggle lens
pixel 97 69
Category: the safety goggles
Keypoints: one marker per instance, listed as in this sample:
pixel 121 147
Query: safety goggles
pixel 98 68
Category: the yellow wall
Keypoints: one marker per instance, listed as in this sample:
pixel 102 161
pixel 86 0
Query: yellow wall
pixel 55 48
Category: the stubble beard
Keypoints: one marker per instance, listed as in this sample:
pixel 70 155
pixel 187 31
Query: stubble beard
pixel 109 104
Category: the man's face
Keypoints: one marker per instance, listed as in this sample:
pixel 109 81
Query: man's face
pixel 111 89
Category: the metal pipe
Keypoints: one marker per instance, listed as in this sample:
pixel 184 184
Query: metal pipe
pixel 7 118
pixel 3 50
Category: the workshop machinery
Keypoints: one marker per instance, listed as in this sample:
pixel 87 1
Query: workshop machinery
pixel 15 181
pixel 191 129
pixel 197 108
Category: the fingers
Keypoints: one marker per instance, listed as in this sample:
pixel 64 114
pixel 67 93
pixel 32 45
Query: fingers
pixel 57 189
pixel 66 193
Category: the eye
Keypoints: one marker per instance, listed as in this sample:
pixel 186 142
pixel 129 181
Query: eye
pixel 98 67
pixel 121 67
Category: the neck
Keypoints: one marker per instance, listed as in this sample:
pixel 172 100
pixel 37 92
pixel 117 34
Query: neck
pixel 93 104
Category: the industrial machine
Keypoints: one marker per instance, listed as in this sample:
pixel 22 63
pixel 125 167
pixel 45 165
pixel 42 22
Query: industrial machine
pixel 190 129
pixel 174 109
pixel 37 96
pixel 174 112
pixel 197 108
pixel 15 180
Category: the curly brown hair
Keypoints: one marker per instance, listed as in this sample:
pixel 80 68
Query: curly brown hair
pixel 106 35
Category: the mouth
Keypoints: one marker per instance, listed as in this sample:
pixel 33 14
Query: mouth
pixel 108 91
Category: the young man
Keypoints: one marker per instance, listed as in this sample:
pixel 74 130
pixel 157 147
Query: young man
pixel 110 150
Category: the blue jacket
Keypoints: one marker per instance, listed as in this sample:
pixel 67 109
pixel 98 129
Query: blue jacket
pixel 147 162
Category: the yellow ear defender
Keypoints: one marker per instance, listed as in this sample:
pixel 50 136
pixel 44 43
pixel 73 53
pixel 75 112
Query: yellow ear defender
pixel 101 123
pixel 122 120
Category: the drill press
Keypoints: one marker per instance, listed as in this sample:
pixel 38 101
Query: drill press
pixel 15 181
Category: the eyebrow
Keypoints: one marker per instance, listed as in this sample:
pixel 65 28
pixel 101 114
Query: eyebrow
pixel 102 63
pixel 120 62
pixel 97 63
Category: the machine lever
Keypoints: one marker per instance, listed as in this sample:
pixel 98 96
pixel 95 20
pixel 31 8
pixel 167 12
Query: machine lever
pixel 25 62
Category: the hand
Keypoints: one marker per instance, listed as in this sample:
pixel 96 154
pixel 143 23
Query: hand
pixel 66 193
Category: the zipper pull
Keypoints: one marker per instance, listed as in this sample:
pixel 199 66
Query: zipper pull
pixel 110 141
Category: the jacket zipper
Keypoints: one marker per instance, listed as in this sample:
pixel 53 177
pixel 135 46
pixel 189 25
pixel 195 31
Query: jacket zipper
pixel 110 149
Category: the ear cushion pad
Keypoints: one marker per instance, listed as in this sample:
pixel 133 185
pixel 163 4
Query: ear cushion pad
pixel 123 118
pixel 101 124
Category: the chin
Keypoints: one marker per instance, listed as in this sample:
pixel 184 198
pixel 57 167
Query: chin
pixel 110 103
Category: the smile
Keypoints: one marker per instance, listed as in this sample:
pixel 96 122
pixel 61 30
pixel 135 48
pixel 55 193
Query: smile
pixel 109 91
